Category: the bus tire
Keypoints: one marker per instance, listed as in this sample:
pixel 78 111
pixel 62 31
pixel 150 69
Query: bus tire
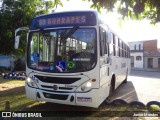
pixel 125 80
pixel 119 101
pixel 152 103
pixel 112 86
pixel 137 103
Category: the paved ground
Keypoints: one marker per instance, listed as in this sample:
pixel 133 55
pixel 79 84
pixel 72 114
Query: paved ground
pixel 143 86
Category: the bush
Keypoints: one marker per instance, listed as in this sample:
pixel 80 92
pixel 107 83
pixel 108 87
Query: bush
pixel 3 69
pixel 20 65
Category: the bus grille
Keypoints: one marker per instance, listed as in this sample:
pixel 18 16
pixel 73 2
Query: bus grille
pixel 59 80
pixel 55 96
pixel 63 88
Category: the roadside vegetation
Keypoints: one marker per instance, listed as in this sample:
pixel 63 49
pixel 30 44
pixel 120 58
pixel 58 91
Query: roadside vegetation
pixel 15 94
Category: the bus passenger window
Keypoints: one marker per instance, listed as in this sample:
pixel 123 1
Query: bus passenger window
pixel 118 42
pixel 119 52
pixel 103 46
pixel 114 39
pixel 105 43
pixel 111 49
pixel 122 53
pixel 114 50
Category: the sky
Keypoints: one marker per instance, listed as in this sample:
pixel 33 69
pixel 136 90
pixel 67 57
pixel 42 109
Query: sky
pixel 129 30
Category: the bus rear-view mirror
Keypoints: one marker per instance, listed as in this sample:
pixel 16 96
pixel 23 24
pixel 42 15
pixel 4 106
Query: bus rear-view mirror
pixel 17 42
pixel 109 37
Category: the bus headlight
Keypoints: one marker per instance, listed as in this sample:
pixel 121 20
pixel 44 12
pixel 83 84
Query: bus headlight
pixel 87 86
pixel 31 83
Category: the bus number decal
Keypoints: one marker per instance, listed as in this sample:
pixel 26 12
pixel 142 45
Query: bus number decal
pixel 84 99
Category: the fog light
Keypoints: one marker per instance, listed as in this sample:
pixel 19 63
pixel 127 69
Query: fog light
pixel 47 95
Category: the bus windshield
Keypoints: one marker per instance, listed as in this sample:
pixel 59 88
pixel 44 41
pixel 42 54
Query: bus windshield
pixel 62 50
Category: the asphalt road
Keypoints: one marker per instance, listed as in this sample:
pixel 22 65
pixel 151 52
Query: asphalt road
pixel 143 86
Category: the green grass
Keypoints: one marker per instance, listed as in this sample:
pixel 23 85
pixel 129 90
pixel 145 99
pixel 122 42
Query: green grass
pixel 18 102
pixel 10 81
pixel 154 108
pixel 16 98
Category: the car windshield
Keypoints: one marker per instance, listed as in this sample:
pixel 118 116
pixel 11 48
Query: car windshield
pixel 62 50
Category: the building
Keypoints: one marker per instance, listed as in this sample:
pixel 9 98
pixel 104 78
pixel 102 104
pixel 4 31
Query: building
pixel 136 53
pixel 145 54
pixel 6 61
pixel 151 55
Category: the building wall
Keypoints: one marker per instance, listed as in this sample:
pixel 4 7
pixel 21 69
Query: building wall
pixel 137 63
pixel 136 46
pixel 155 62
pixel 136 51
pixel 5 62
pixel 145 49
pixel 150 45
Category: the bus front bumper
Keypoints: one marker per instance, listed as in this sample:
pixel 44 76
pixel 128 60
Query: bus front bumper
pixel 89 99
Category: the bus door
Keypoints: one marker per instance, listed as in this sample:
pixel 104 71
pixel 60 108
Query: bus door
pixel 104 59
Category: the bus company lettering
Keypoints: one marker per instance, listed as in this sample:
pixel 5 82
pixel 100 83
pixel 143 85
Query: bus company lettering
pixel 81 59
pixel 71 86
pixel 123 65
pixel 63 20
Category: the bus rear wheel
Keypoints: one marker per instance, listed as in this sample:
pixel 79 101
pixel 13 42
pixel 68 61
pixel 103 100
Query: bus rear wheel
pixel 125 80
pixel 112 87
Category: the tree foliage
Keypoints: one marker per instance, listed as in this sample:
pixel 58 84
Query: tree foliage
pixel 134 9
pixel 19 13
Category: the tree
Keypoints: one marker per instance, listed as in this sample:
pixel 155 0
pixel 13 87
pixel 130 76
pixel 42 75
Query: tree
pixel 134 9
pixel 19 13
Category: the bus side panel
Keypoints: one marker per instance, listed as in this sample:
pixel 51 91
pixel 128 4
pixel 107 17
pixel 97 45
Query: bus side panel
pixel 121 72
pixel 104 91
pixel 30 92
pixel 104 82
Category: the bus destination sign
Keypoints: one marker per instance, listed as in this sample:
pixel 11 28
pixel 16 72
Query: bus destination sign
pixel 64 20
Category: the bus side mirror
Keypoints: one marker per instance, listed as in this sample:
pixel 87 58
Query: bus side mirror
pixel 17 42
pixel 109 37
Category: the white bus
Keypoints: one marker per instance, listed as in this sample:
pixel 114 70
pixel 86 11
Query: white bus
pixel 73 58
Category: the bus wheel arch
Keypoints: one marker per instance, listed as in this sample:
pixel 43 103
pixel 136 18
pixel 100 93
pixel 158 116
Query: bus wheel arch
pixel 112 84
pixel 125 80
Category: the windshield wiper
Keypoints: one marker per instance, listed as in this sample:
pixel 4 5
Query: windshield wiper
pixel 69 33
